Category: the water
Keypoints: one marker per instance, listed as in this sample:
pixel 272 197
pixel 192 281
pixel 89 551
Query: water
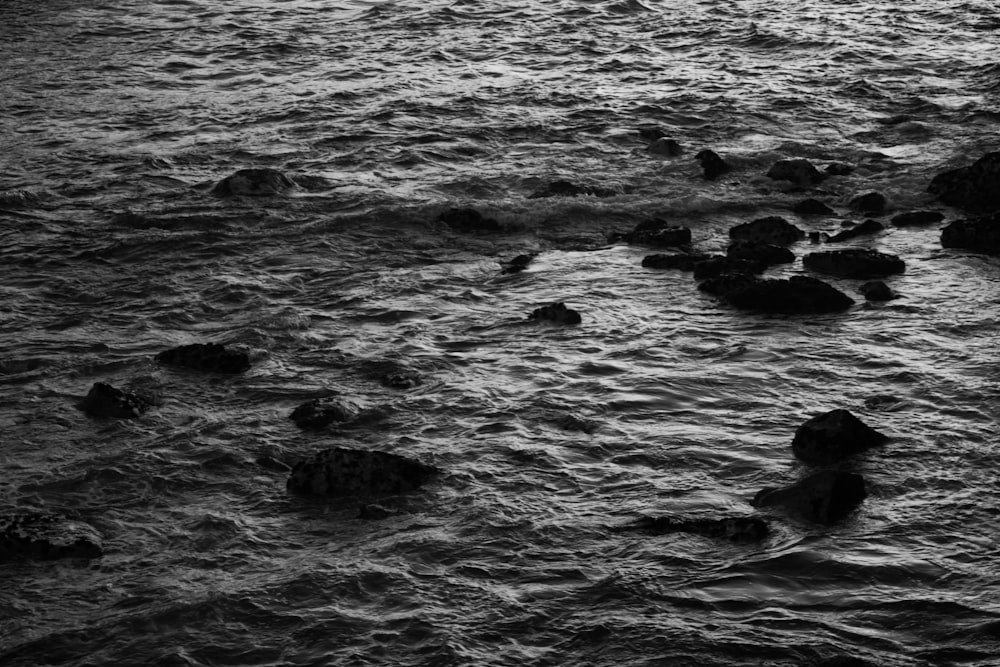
pixel 662 401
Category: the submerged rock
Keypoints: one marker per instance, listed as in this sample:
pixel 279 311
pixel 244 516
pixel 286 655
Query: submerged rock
pixel 825 496
pixel 519 263
pixel 340 471
pixel 735 529
pixel 712 165
pixel 44 536
pixel 794 296
pixel 876 290
pixel 812 207
pixel 209 357
pixel 680 261
pixel 719 265
pixel 797 170
pixel 839 169
pixel 18 199
pixel 866 227
pixel 854 263
pixel 321 412
pixel 975 187
pixel 469 220
pixel 976 234
pixel 556 313
pixel 832 437
pixel 772 229
pixel 914 218
pixel 768 253
pixel 665 146
pixel 106 402
pixel 254 183
pixel 656 232
pixel 873 203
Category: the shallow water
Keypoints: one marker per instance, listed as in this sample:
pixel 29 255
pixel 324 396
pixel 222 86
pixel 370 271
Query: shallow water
pixel 661 401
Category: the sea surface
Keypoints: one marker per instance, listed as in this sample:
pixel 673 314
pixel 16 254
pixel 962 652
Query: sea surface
pixel 117 118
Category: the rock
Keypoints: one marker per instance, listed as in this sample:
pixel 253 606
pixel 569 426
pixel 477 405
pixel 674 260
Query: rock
pixel 818 237
pixel 975 187
pixel 340 471
pixel 797 170
pixel 812 207
pixel 712 165
pixel 767 253
pixel 839 169
pixel 876 290
pixel 681 261
pixel 519 263
pixel 854 263
pixel 45 536
pixel 556 313
pixel 735 529
pixel 772 229
pixel 18 199
pixel 209 357
pixel 665 146
pixel 321 412
pixel 659 233
pixel 716 266
pixel 401 379
pixel 794 296
pixel 825 496
pixel 866 227
pixel 272 463
pixel 914 218
pixel 106 402
pixel 469 220
pixel 568 189
pixel 254 183
pixel 976 234
pixel 873 203
pixel 651 133
pixel 833 436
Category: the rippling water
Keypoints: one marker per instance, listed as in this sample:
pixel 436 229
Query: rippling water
pixel 662 401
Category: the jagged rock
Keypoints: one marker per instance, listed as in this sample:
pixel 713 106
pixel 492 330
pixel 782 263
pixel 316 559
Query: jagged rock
pixel 210 357
pixel 768 253
pixel 712 165
pixel 876 290
pixel 772 229
pixel 735 529
pixel 866 227
pixel 340 471
pixel 655 232
pixel 812 207
pixel 469 220
pixel 873 203
pixel 854 263
pixel 797 170
pixel 833 436
pixel 681 261
pixel 718 265
pixel 976 234
pixel 321 412
pixel 568 189
pixel 825 496
pixel 519 263
pixel 914 218
pixel 556 313
pixel 975 187
pixel 106 402
pixel 665 146
pixel 44 536
pixel 254 183
pixel 794 296
pixel 839 169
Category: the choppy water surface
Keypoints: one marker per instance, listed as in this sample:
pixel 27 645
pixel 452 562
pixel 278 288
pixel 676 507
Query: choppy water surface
pixel 662 401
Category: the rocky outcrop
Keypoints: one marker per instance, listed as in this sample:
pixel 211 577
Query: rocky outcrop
pixel 832 437
pixel 340 471
pixel 976 234
pixel 876 290
pixel 796 170
pixel 555 313
pixel 719 265
pixel 655 232
pixel 106 402
pixel 772 229
pixel 680 261
pixel 321 412
pixel 254 183
pixel 209 357
pixel 825 497
pixel 766 253
pixel 469 220
pixel 812 207
pixel 735 529
pixel 865 228
pixel 712 165
pixel 975 187
pixel 915 218
pixel 872 203
pixel 44 536
pixel 795 296
pixel 854 263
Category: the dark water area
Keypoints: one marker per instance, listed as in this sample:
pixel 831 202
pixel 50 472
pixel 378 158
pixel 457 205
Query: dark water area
pixel 118 118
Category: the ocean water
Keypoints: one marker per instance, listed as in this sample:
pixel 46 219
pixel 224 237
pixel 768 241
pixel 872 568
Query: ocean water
pixel 118 117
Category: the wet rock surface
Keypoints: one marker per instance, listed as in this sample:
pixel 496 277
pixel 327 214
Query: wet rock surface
pixel 47 536
pixel 793 296
pixel 208 357
pixel 976 234
pixel 832 437
pixel 254 183
pixel 106 402
pixel 975 187
pixel 340 471
pixel 824 497
pixel 854 263
pixel 773 229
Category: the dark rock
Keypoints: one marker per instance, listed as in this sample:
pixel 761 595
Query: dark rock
pixel 254 183
pixel 812 207
pixel 519 263
pixel 665 146
pixel 833 436
pixel 825 496
pixel 767 253
pixel 866 227
pixel 556 313
pixel 873 203
pixel 340 471
pixel 713 267
pixel 974 188
pixel 845 661
pixel 772 229
pixel 876 290
pixel 917 218
pixel 106 402
pixel 976 234
pixel 271 463
pixel 658 233
pixel 469 220
pixel 797 170
pixel 712 165
pixel 321 412
pixel 681 261
pixel 44 536
pixel 854 263
pixel 18 199
pixel 401 379
pixel 794 296
pixel 210 357
pixel 839 169
pixel 735 529
pixel 651 133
